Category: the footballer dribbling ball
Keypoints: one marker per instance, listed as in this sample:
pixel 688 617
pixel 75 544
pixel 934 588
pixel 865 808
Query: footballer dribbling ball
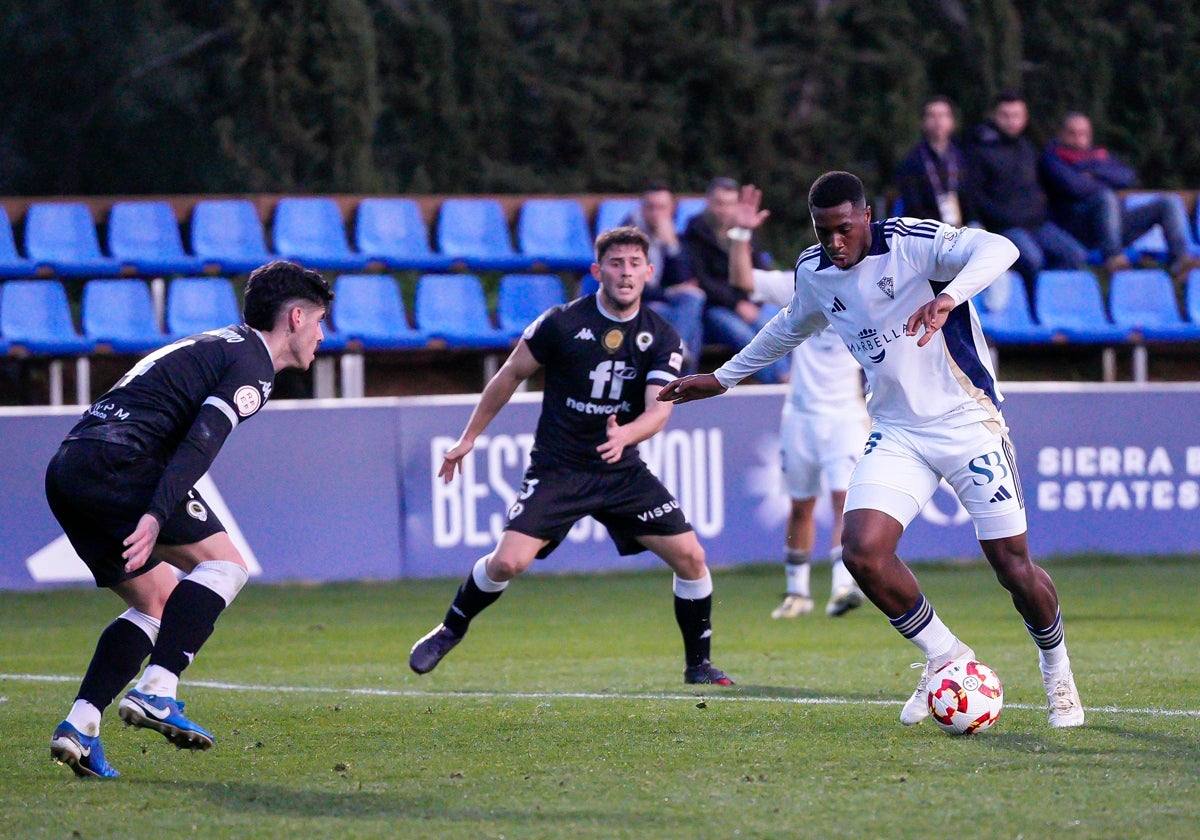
pixel 965 697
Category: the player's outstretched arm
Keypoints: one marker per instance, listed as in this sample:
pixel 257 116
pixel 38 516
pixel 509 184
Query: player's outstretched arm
pixel 519 366
pixel 698 387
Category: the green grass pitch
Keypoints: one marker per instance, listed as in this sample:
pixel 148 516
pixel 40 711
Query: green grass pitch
pixel 564 715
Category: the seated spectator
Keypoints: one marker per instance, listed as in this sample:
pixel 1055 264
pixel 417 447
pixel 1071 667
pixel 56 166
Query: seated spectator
pixel 730 317
pixel 1002 179
pixel 1081 181
pixel 930 179
pixel 673 291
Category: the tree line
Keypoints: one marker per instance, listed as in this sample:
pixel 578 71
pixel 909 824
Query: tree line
pixel 545 96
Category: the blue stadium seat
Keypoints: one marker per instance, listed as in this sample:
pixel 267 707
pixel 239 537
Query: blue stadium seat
pixel 228 236
pixel 368 309
pixel 1070 304
pixel 12 264
pixel 554 232
pixel 36 317
pixel 1153 243
pixel 612 212
pixel 61 236
pixel 452 307
pixel 1192 296
pixel 392 231
pixel 198 304
pixel 475 232
pixel 897 208
pixel 588 285
pixel 144 236
pixel 686 208
pixel 1144 300
pixel 119 314
pixel 1011 322
pixel 311 231
pixel 523 297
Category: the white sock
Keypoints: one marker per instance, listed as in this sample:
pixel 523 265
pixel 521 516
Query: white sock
pixel 1054 662
pixel 798 571
pixel 85 717
pixel 158 681
pixel 841 575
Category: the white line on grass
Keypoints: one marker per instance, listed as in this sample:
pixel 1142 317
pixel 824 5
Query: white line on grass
pixel 584 695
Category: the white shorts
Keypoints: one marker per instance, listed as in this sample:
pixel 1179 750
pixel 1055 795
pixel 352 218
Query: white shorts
pixel 813 444
pixel 900 469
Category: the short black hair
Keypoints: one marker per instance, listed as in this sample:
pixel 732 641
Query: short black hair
pixel 273 286
pixel 834 188
pixel 1007 95
pixel 721 183
pixel 656 186
pixel 627 235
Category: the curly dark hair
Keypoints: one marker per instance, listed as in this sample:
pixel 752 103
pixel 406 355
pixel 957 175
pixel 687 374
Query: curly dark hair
pixel 273 286
pixel 834 188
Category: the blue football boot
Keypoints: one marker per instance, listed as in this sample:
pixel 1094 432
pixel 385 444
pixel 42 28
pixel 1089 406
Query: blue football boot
pixel 165 715
pixel 82 753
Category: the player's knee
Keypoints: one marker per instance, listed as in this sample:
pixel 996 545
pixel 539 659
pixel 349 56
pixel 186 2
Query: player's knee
pixel 502 567
pixel 692 563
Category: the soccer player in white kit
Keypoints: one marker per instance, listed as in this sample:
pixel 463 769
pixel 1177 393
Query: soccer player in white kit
pixel 935 413
pixel 821 431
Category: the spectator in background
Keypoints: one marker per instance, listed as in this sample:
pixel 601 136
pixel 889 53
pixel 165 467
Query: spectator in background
pixel 1081 182
pixel 730 317
pixel 930 179
pixel 1002 170
pixel 672 291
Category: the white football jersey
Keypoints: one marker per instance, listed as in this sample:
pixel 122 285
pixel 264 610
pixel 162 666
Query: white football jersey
pixel 825 378
pixel 910 261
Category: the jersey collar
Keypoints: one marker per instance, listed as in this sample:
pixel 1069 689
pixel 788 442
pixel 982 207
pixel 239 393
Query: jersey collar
pixel 613 317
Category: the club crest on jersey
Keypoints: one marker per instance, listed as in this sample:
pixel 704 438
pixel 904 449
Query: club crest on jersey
pixel 888 285
pixel 247 400
pixel 612 340
pixel 643 340
pixel 196 510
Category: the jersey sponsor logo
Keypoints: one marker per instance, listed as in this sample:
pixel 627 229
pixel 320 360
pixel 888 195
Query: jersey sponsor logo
pixel 612 340
pixel 838 306
pixel 196 510
pixel 585 334
pixel 888 285
pixel 613 375
pixel 643 340
pixel 247 400
pixel 597 408
pixel 658 512
pixel 871 341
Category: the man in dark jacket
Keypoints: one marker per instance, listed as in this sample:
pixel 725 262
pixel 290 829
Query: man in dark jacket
pixel 930 180
pixel 1002 164
pixel 1081 181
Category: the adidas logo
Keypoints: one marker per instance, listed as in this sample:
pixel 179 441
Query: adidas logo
pixel 1002 495
pixel 838 306
pixel 585 334
pixel 866 333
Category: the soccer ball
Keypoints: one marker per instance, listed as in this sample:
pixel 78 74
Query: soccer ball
pixel 965 697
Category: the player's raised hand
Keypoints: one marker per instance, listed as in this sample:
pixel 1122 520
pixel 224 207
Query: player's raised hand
pixel 932 316
pixel 690 388
pixel 140 544
pixel 618 438
pixel 452 460
pixel 746 213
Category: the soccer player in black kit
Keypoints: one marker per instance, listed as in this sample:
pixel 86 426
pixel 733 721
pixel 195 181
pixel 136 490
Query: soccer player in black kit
pixel 121 486
pixel 605 357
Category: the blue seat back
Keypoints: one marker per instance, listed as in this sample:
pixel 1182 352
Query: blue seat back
pixel 36 310
pixel 120 310
pixel 228 228
pixel 588 285
pixel 1143 298
pixel 473 227
pixel 554 227
pixel 198 304
pixel 368 306
pixel 61 232
pixel 686 208
pixel 1014 313
pixel 309 227
pixel 141 229
pixel 391 227
pixel 8 243
pixel 1192 296
pixel 1070 300
pixel 452 304
pixel 523 297
pixel 612 212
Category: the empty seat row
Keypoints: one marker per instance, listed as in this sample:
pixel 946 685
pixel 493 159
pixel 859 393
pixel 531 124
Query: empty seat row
pixel 119 313
pixel 227 237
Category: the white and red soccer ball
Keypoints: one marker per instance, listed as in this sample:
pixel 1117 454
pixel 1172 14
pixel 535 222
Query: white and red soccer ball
pixel 965 697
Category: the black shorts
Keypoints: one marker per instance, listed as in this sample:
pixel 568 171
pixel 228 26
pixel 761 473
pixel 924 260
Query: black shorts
pixel 630 503
pixel 98 491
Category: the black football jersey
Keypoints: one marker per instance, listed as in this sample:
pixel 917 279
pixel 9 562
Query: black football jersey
pixel 596 367
pixel 155 403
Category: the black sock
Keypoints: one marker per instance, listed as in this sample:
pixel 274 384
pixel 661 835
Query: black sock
pixel 187 622
pixel 468 602
pixel 122 648
pixel 695 622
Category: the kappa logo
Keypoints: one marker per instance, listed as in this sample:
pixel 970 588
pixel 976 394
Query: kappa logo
pixel 888 285
pixel 266 388
pixel 838 306
pixel 585 334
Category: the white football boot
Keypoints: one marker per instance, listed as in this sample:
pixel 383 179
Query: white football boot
pixel 917 707
pixel 793 606
pixel 1066 709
